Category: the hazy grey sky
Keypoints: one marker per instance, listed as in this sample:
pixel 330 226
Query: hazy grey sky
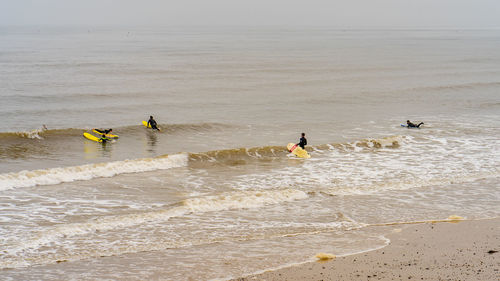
pixel 335 13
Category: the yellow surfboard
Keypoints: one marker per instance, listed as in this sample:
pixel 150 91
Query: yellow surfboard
pixel 297 150
pixel 91 137
pixel 145 123
pixel 107 135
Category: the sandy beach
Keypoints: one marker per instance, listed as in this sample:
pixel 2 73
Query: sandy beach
pixel 467 250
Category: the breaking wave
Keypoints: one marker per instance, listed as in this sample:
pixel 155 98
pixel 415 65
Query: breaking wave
pixel 221 202
pixel 40 133
pixel 232 157
pixel 242 155
pixel 89 171
pixel 238 155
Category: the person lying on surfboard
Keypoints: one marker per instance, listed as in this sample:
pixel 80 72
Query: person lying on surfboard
pixel 411 125
pixel 303 141
pixel 105 132
pixel 152 123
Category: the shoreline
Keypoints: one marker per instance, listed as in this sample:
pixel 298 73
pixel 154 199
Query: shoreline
pixel 463 250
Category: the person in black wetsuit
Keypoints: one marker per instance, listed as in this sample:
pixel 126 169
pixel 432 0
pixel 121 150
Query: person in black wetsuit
pixel 411 125
pixel 153 124
pixel 104 131
pixel 303 141
pixel 104 139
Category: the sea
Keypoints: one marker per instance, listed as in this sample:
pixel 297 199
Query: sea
pixel 215 194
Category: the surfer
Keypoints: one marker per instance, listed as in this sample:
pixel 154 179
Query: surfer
pixel 105 132
pixel 104 139
pixel 411 125
pixel 152 123
pixel 303 141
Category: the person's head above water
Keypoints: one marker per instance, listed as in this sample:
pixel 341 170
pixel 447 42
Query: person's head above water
pixel 407 121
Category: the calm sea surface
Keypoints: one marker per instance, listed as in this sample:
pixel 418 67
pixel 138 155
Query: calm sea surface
pixel 215 194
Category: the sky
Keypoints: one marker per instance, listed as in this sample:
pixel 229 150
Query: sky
pixel 332 13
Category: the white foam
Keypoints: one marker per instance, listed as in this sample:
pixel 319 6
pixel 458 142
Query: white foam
pixel 403 185
pixel 89 171
pixel 33 134
pixel 242 199
pixel 391 163
pixel 105 223
pixel 226 201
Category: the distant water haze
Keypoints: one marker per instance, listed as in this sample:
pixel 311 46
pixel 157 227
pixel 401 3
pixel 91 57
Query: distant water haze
pixel 215 194
pixel 333 13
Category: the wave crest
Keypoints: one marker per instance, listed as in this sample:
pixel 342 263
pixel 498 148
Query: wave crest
pixel 70 132
pixel 242 200
pixel 221 202
pixel 89 171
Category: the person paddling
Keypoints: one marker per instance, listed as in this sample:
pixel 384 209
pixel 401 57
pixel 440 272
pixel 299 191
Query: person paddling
pixel 411 125
pixel 152 123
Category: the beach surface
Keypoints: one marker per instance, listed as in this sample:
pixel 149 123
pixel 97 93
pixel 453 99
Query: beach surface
pixel 467 250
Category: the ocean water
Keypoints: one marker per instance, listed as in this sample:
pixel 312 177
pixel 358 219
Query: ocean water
pixel 215 194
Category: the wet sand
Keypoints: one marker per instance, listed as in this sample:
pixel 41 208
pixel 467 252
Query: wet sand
pixel 468 250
